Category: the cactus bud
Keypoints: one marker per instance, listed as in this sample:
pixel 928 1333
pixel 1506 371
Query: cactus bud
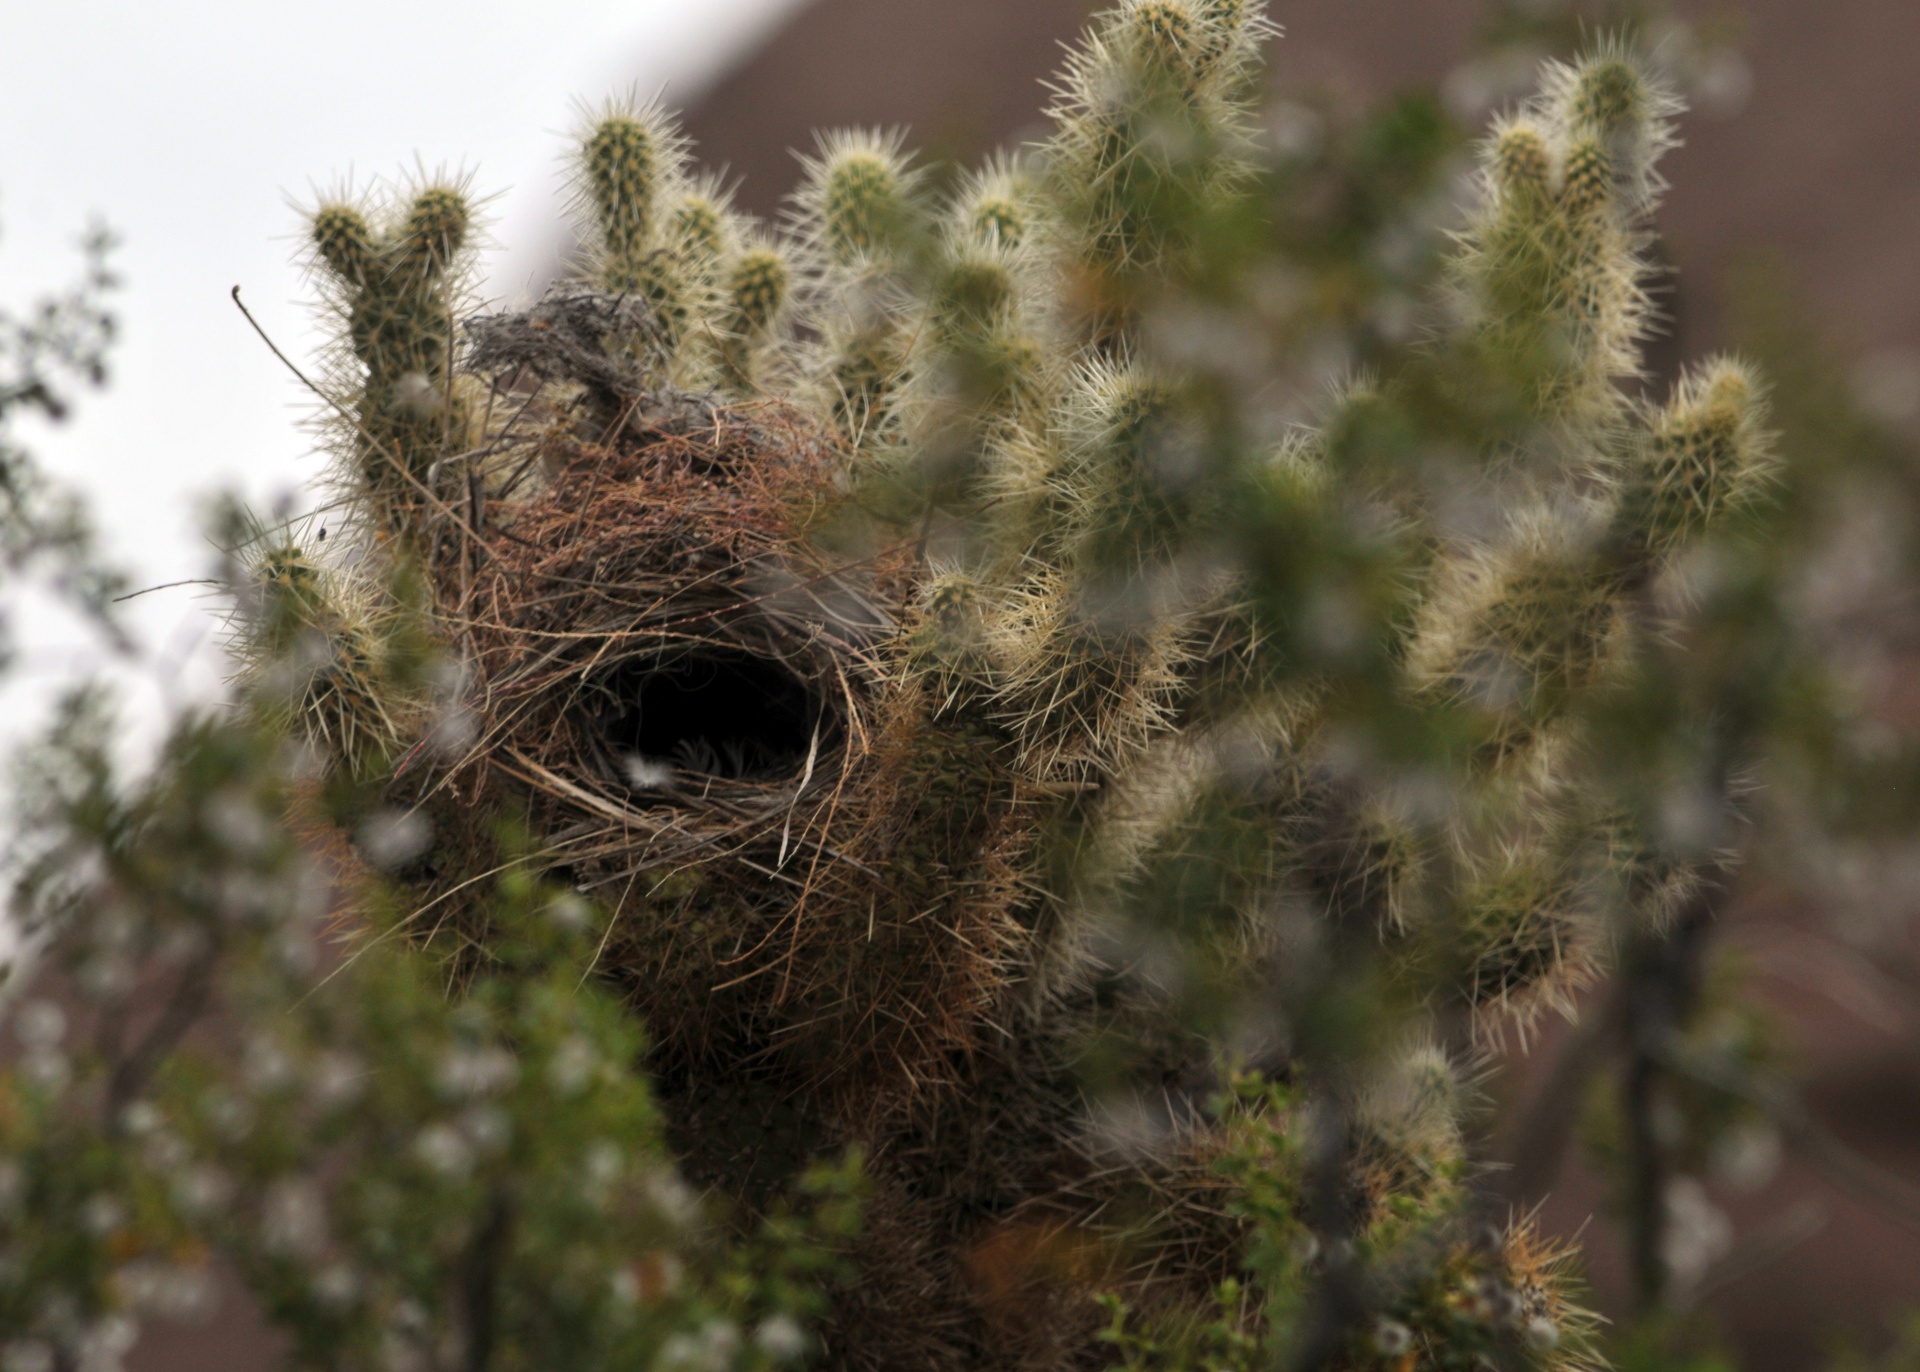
pixel 974 292
pixel 291 597
pixel 344 241
pixel 1166 39
pixel 757 287
pixel 995 206
pixel 321 662
pixel 1608 94
pixel 435 229
pixel 1522 163
pixel 864 375
pixel 1609 98
pixel 858 199
pixel 949 644
pixel 998 219
pixel 1525 625
pixel 1550 620
pixel 1525 940
pixel 697 230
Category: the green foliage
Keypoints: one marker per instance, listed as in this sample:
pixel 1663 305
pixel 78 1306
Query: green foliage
pixel 392 1172
pixel 42 528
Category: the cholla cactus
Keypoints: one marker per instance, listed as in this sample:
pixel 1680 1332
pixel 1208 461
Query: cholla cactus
pixel 395 276
pixel 965 733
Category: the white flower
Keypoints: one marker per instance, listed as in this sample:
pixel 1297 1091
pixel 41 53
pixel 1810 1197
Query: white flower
pixel 106 1343
pixel 293 1218
pixel 336 1080
pixel 468 1071
pixel 572 1064
pixel 267 1066
pixel 444 1149
pixel 336 1284
pixel 202 1190
pixel 487 1127
pixel 40 1024
pixel 1392 1338
pixel 781 1337
pixel 569 912
pixel 1698 1232
pixel 27 1355
pixel 102 1214
pixel 674 1199
pixel 708 1351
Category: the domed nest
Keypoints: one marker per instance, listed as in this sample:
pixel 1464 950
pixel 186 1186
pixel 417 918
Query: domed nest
pixel 699 710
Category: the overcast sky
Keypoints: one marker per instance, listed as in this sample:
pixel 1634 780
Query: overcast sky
pixel 193 127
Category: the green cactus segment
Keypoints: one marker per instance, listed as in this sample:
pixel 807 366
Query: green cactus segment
pixel 345 242
pixel 974 293
pixel 620 166
pixel 697 229
pixel 860 202
pixel 997 206
pixel 866 373
pixel 757 289
pixel 1706 455
pixel 1521 630
pixel 435 230
pixel 1525 931
pixel 1167 39
pixel 1555 271
pixel 1132 465
pixel 1523 164
pixel 1608 94
pixel 998 220
pixel 1151 132
pixel 400 292
pixel 327 669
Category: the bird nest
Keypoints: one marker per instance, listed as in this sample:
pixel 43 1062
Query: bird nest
pixel 694 706
pixel 658 652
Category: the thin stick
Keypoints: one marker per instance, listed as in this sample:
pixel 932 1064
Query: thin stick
pixel 167 586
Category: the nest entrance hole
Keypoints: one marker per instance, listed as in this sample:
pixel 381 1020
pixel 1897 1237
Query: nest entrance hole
pixel 717 711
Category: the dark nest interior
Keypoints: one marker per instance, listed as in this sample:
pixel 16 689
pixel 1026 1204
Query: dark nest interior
pixel 713 711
